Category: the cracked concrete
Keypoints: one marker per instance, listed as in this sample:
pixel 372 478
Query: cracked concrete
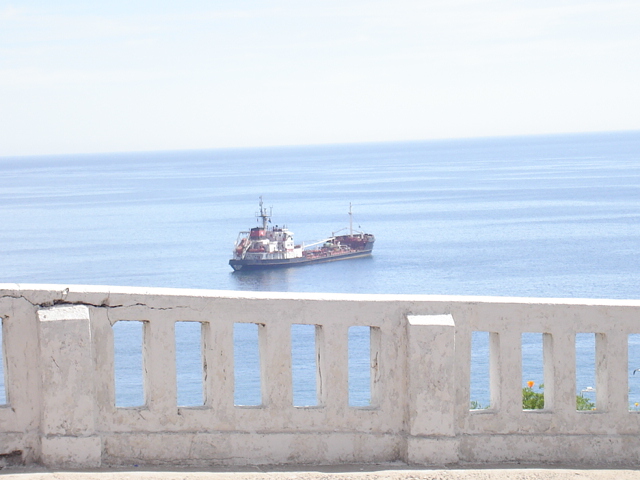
pixel 59 352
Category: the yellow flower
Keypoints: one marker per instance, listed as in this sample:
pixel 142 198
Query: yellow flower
pixel 530 384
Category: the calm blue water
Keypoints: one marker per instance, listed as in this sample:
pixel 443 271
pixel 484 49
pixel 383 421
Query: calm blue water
pixel 550 216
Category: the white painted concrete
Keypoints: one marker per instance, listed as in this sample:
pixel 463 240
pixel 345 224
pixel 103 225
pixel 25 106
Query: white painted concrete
pixel 58 344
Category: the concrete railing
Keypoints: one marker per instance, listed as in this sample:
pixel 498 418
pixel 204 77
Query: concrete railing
pixel 58 349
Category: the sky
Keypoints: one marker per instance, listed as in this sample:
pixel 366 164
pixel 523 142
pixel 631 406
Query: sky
pixel 123 75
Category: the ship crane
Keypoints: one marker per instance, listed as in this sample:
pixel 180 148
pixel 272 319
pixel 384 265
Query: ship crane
pixel 306 245
pixel 350 226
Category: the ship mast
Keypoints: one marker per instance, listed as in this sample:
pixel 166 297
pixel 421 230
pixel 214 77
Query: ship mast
pixel 350 221
pixel 263 215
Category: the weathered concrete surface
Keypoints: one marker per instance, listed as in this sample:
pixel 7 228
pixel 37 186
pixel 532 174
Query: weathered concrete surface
pixel 68 398
pixel 344 472
pixel 61 412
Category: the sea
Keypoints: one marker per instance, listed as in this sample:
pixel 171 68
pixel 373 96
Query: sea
pixel 532 216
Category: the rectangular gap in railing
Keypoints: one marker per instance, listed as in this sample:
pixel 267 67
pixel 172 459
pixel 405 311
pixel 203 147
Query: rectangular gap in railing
pixel 304 364
pixel 634 372
pixel 364 373
pixel 3 391
pixel 246 364
pixel 480 372
pixel 189 364
pixel 532 371
pixel 585 371
pixel 128 338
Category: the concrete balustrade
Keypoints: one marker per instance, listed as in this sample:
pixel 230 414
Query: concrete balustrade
pixel 58 345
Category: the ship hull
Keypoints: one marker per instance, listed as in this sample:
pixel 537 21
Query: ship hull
pixel 243 265
pixel 268 247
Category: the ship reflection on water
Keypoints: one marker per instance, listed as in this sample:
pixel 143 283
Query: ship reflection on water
pixel 358 273
pixel 277 280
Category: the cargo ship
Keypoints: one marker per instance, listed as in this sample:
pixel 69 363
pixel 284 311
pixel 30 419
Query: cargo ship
pixel 266 246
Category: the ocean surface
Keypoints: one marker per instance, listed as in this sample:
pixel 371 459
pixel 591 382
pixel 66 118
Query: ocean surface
pixel 540 216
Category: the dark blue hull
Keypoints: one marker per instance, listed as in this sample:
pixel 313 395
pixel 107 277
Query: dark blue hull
pixel 297 262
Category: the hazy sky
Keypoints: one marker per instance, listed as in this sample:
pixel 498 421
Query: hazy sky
pixel 124 75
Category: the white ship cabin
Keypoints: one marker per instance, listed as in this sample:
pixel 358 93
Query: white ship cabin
pixel 267 244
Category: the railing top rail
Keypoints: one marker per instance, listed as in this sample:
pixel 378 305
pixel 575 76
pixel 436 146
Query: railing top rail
pixel 61 292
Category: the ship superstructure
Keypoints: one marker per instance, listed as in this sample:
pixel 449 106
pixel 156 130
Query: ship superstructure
pixel 272 246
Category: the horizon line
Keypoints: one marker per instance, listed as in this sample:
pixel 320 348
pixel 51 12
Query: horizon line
pixel 318 145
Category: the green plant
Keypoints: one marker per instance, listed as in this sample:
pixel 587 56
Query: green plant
pixel 584 403
pixel 532 400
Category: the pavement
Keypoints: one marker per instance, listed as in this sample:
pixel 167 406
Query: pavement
pixel 346 472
